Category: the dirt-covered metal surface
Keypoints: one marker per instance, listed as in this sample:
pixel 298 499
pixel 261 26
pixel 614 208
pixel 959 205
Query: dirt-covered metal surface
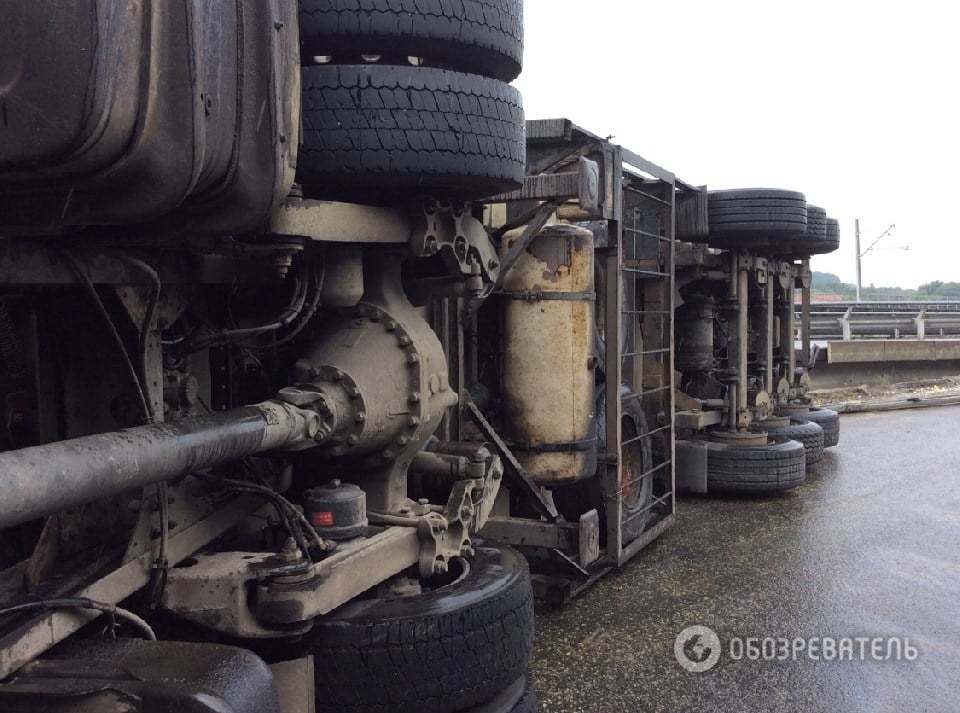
pixel 868 547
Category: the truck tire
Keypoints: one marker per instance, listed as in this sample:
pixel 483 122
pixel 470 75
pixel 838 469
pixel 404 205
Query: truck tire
pixel 478 36
pixel 576 499
pixel 755 469
pixel 444 650
pixel 831 240
pixel 801 430
pixel 756 217
pixel 520 697
pixel 804 245
pixel 816 224
pixel 637 459
pixel 381 133
pixel 829 421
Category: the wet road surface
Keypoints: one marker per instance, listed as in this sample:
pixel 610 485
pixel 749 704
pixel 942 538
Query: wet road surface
pixel 868 547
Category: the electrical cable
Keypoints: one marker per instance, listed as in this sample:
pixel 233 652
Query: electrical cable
pixel 138 376
pixel 151 310
pixel 161 565
pixel 112 328
pixel 319 279
pixel 285 510
pixel 84 603
pixel 227 336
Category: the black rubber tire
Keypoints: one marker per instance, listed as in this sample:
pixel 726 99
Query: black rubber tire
pixel 441 651
pixel 801 430
pixel 815 235
pixel 831 240
pixel 816 223
pixel 519 697
pixel 755 469
pixel 576 499
pixel 638 459
pixel 756 217
pixel 478 36
pixel 384 133
pixel 829 421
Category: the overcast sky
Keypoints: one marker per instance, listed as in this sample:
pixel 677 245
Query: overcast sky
pixel 857 104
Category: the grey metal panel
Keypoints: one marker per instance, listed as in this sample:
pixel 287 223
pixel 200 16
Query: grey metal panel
pixel 692 466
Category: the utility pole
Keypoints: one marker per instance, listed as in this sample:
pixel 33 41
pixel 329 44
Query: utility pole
pixel 861 255
pixel 859 273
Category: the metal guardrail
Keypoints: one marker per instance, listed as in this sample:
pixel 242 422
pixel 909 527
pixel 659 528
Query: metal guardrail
pixel 849 321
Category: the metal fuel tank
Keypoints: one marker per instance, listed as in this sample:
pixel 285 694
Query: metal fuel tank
pixel 548 358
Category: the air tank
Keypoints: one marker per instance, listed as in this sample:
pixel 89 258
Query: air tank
pixel 548 356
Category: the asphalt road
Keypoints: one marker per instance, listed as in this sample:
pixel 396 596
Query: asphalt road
pixel 868 547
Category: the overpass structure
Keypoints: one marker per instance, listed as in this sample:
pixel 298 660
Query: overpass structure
pixel 848 321
pixel 852 342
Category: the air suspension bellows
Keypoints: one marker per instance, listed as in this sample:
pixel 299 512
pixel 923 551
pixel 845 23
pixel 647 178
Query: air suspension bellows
pixel 695 334
pixel 548 335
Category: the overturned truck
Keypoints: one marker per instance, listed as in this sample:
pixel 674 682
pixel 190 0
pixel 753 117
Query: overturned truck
pixel 319 362
pixel 227 231
pixel 746 423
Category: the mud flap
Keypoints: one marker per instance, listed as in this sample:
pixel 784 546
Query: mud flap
pixel 692 466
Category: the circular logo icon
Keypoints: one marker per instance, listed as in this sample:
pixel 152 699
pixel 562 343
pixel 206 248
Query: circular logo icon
pixel 697 648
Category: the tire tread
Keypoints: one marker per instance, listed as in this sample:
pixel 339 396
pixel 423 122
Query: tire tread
pixel 391 129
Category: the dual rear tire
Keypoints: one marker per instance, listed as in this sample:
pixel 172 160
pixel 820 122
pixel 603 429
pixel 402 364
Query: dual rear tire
pixel 380 129
pixel 379 132
pixel 807 433
pixel 827 419
pixel 772 468
pixel 775 222
pixel 482 37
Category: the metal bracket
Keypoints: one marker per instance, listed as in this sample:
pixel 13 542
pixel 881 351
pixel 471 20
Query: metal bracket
pixel 583 184
pixel 536 224
pixel 458 238
pixel 468 508
pixel 516 472
pixel 538 295
pixel 565 447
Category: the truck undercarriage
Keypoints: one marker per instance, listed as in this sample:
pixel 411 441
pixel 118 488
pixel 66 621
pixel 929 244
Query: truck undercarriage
pixel 303 328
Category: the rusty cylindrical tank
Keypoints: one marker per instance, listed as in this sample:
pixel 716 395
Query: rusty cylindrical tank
pixel 548 374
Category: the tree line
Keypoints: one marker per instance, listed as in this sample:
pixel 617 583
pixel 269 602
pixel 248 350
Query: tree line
pixel 828 283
